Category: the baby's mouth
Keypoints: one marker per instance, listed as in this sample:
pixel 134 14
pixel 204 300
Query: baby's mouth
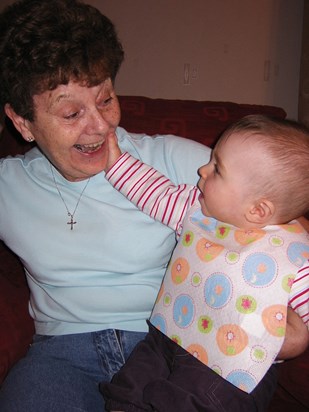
pixel 88 148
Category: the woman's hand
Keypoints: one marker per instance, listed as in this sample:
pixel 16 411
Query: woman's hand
pixel 296 338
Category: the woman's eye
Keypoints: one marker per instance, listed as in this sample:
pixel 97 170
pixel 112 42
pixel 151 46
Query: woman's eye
pixel 105 102
pixel 71 116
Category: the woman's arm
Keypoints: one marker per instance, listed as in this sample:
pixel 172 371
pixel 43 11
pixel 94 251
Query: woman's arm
pixel 296 338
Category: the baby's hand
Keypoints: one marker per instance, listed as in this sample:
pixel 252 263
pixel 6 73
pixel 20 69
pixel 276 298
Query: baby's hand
pixel 113 151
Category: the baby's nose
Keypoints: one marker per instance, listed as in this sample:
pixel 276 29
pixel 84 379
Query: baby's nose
pixel 203 171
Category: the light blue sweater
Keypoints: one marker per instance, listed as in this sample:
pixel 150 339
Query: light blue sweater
pixel 107 271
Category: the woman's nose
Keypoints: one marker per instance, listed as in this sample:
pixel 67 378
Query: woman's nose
pixel 97 123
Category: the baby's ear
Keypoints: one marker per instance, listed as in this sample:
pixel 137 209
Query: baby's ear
pixel 261 212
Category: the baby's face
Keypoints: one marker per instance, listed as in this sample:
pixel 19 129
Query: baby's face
pixel 226 181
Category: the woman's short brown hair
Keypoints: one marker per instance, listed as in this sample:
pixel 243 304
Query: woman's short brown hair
pixel 45 43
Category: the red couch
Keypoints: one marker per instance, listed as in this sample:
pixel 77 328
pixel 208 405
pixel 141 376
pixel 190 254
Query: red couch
pixel 200 121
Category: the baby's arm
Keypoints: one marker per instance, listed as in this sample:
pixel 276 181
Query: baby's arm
pixel 152 192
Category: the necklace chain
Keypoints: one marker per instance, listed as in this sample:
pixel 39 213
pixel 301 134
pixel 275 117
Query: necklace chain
pixel 71 215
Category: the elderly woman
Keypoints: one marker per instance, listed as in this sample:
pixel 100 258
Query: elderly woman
pixel 93 262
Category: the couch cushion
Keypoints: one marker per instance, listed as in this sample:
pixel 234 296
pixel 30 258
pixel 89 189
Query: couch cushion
pixel 202 121
pixel 16 325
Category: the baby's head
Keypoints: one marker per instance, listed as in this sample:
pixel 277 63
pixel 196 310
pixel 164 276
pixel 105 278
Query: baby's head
pixel 258 173
pixel 277 163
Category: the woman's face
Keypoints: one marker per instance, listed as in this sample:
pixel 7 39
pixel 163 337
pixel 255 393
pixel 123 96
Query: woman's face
pixel 71 124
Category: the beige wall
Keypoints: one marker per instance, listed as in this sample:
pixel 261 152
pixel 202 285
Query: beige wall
pixel 245 51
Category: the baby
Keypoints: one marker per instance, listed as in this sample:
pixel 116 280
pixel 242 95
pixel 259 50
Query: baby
pixel 220 317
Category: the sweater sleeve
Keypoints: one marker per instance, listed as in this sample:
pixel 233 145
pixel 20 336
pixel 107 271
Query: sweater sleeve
pixel 152 192
pixel 299 295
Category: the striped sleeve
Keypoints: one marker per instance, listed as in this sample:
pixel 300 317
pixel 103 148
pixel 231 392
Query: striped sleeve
pixel 152 192
pixel 299 295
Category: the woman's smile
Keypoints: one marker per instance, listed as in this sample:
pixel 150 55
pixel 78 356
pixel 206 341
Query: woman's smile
pixel 89 148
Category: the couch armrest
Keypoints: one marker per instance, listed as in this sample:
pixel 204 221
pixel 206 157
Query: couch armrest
pixel 16 325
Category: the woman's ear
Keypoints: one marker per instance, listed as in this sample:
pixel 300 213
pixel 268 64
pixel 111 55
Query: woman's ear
pixel 20 123
pixel 261 212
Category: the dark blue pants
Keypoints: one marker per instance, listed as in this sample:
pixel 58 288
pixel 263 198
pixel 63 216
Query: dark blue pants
pixel 161 376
